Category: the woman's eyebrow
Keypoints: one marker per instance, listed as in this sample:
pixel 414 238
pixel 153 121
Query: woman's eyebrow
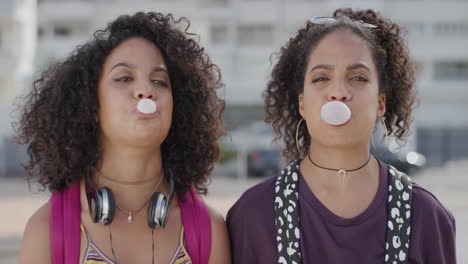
pixel 322 66
pixel 123 64
pixel 357 66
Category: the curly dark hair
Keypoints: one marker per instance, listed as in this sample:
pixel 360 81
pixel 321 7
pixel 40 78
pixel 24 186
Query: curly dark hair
pixel 390 55
pixel 57 117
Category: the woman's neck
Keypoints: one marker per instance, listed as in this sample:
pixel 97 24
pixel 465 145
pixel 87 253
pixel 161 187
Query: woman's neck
pixel 348 158
pixel 132 174
pixel 129 164
pixel 338 158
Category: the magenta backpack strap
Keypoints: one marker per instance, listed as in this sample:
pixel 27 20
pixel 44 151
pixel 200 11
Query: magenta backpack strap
pixel 56 228
pixel 65 225
pixel 197 227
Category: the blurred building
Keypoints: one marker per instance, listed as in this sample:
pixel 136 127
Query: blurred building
pixel 240 36
pixel 17 45
pixel 18 27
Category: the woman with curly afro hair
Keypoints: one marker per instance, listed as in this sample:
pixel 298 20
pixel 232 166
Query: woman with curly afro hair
pixel 334 81
pixel 124 134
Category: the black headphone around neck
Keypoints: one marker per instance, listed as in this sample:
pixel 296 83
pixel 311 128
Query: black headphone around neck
pixel 101 203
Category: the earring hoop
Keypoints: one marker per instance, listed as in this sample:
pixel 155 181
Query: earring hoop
pixel 297 137
pixel 386 136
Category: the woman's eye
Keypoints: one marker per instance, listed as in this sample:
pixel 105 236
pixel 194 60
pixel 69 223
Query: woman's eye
pixel 159 82
pixel 123 79
pixel 319 79
pixel 359 79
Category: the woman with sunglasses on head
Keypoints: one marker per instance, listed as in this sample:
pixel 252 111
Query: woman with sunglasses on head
pixel 335 80
pixel 124 133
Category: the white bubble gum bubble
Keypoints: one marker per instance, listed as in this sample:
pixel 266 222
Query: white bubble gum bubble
pixel 146 106
pixel 335 113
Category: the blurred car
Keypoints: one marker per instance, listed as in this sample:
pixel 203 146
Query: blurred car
pixel 12 158
pixel 263 163
pixel 403 160
pixel 255 152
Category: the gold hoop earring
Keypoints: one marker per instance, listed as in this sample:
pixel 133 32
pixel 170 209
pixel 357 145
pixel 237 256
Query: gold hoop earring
pixel 386 136
pixel 297 137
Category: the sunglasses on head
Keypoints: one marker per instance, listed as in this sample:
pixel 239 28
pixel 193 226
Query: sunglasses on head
pixel 330 20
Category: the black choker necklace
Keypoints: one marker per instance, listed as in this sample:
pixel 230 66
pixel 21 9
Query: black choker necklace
pixel 341 172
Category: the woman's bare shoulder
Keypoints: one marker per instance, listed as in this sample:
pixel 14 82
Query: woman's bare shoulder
pixel 35 246
pixel 220 246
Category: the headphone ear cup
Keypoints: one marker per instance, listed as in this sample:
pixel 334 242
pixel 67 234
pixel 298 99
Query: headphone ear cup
pixel 157 210
pixel 111 205
pixel 94 204
pixel 152 223
pixel 106 211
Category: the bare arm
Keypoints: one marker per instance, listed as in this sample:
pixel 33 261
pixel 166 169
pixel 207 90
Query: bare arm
pixel 35 246
pixel 220 249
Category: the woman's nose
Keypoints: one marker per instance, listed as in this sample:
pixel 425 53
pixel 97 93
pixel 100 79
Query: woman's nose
pixel 145 91
pixel 339 92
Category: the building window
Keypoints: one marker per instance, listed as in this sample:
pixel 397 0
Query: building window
pixel 419 67
pixel 40 32
pixel 451 28
pixel 61 31
pixel 219 33
pixel 213 3
pixel 451 70
pixel 255 35
pixel 414 28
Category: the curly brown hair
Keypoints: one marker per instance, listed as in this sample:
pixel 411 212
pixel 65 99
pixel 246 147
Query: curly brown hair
pixel 390 55
pixel 58 116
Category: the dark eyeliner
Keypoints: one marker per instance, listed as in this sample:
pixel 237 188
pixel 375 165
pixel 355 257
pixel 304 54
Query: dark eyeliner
pixel 319 79
pixel 123 79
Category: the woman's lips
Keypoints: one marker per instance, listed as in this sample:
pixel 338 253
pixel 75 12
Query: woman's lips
pixel 340 125
pixel 143 115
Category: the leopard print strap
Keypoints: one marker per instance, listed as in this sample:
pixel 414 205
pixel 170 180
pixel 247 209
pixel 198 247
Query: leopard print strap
pixel 398 217
pixel 287 215
pixel 288 225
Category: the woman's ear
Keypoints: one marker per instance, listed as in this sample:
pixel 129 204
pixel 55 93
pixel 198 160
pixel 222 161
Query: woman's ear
pixel 301 104
pixel 382 106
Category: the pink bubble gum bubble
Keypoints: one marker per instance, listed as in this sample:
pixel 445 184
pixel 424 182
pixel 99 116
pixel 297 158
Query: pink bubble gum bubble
pixel 335 113
pixel 146 106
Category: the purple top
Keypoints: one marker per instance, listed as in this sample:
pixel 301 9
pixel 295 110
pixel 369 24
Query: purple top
pixel 328 238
